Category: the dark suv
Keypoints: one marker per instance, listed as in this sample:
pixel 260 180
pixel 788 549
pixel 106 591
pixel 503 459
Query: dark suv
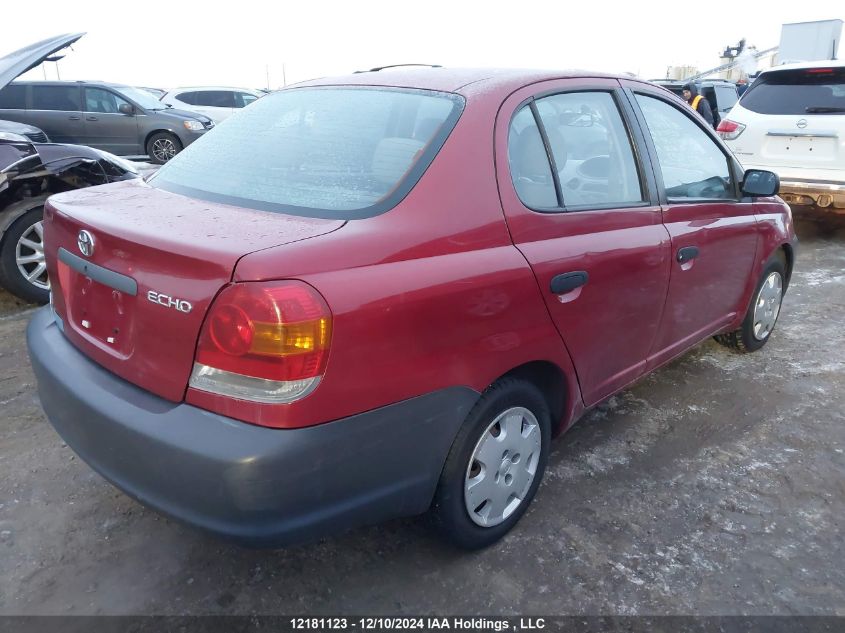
pixel 720 94
pixel 119 119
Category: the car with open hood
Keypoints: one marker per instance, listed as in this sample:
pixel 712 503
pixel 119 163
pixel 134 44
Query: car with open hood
pixel 31 169
pixel 382 294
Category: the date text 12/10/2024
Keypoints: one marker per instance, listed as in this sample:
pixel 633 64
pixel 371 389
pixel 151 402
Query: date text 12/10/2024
pixel 417 623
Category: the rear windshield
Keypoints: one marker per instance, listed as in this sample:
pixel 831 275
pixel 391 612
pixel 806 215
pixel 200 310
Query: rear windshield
pixel 809 91
pixel 320 152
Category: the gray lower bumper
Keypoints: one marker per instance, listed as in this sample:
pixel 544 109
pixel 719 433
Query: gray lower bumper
pixel 258 486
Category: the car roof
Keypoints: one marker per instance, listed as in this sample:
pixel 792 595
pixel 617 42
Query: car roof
pixel 463 80
pixel 184 88
pixel 833 63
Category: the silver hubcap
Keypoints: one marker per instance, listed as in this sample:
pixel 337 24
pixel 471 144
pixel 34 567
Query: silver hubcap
pixel 502 467
pixel 767 307
pixel 164 149
pixel 29 256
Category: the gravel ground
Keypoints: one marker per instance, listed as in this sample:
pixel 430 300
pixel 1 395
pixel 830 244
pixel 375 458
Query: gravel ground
pixel 714 486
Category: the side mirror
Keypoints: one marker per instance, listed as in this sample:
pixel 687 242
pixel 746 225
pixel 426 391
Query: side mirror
pixel 125 108
pixel 758 183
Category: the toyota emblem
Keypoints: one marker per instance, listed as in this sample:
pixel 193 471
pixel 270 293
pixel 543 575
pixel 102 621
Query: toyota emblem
pixel 802 123
pixel 85 242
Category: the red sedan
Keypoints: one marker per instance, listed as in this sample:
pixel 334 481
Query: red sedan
pixel 383 294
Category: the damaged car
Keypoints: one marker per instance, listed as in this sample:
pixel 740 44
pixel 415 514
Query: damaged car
pixel 29 174
pixel 31 169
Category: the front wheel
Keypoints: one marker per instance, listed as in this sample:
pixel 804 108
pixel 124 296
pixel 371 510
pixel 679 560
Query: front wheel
pixel 763 312
pixel 163 146
pixel 23 269
pixel 495 465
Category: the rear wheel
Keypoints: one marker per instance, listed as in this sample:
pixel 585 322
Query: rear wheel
pixel 23 269
pixel 495 465
pixel 763 312
pixel 163 146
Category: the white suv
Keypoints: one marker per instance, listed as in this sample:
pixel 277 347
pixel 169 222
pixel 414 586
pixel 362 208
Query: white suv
pixel 215 102
pixel 792 121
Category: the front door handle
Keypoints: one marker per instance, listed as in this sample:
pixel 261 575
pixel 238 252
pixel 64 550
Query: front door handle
pixel 91 118
pixel 687 253
pixel 74 117
pixel 567 282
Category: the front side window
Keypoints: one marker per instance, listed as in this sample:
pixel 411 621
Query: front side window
pixel 592 151
pixel 320 152
pixel 692 163
pixel 56 98
pixel 243 99
pixel 99 100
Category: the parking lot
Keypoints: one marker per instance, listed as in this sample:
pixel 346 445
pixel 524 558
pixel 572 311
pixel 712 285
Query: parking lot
pixel 714 486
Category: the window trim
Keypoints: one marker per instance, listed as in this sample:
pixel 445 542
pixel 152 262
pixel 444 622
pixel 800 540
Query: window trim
pixel 648 188
pixel 657 168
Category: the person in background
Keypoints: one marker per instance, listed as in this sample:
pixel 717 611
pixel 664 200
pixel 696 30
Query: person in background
pixel 698 103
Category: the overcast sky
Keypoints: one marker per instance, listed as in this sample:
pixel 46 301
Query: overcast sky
pixel 169 44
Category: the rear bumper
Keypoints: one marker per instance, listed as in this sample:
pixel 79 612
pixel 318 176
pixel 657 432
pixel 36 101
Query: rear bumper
pixel 827 195
pixel 258 486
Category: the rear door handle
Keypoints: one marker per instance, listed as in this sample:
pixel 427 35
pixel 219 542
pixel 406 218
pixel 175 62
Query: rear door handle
pixel 91 118
pixel 567 282
pixel 687 253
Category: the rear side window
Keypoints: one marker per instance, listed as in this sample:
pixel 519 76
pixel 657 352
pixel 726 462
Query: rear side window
pixel 188 97
pixel 320 152
pixel 692 164
pixel 726 96
pixel 529 164
pixel 798 92
pixel 56 98
pixel 593 154
pixel 215 98
pixel 13 97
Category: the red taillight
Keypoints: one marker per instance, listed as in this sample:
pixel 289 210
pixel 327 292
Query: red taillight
pixel 263 341
pixel 819 71
pixel 729 130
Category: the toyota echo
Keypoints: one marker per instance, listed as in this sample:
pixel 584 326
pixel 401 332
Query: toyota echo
pixel 383 294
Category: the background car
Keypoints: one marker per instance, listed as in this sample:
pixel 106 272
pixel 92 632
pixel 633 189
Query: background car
pixel 158 93
pixel 409 263
pixel 29 174
pixel 120 119
pixel 21 129
pixel 721 95
pixel 217 103
pixel 791 120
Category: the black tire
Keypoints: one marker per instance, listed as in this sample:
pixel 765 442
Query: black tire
pixel 157 144
pixel 11 277
pixel 744 340
pixel 449 513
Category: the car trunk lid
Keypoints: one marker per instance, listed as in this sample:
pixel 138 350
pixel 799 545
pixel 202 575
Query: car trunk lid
pixel 132 291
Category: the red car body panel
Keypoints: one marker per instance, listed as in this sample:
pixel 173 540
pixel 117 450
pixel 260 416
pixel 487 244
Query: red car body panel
pixel 152 236
pixel 450 287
